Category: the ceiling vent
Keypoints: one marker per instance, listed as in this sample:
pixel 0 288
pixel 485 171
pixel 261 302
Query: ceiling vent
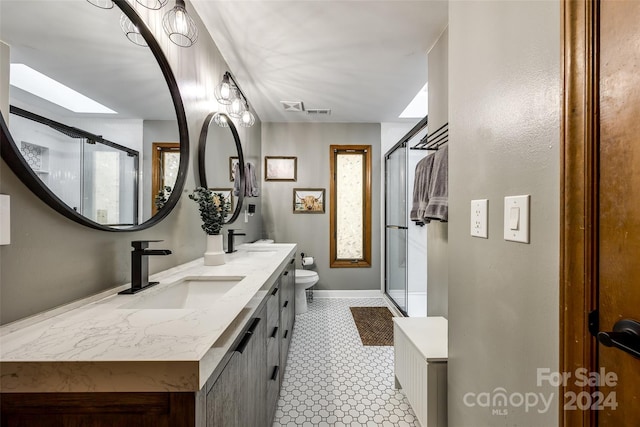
pixel 292 106
pixel 319 111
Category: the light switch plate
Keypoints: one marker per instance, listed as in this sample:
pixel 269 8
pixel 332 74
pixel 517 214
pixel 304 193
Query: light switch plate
pixel 479 218
pixel 516 218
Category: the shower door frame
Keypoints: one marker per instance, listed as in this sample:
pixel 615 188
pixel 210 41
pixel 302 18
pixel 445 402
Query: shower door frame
pixel 402 144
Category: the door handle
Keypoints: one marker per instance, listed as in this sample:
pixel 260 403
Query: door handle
pixel 625 336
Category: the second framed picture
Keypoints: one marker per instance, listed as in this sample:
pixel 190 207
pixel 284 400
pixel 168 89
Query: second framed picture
pixel 280 168
pixel 308 200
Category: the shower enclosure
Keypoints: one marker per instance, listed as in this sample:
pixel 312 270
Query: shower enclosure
pixel 405 242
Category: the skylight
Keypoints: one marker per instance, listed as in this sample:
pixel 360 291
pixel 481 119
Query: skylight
pixel 36 83
pixel 417 108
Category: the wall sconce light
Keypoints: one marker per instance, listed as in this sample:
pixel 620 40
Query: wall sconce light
pixel 221 120
pixel 102 4
pixel 224 92
pixel 131 31
pixel 247 119
pixel 228 93
pixel 180 26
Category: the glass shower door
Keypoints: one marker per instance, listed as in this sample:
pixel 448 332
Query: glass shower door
pixel 396 226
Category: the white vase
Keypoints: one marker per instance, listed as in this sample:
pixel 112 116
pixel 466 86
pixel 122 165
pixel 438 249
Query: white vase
pixel 214 254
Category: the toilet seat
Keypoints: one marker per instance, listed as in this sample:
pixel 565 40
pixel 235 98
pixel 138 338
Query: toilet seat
pixel 307 278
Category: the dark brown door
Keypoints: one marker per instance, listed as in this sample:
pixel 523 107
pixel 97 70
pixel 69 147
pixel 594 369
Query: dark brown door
pixel 619 210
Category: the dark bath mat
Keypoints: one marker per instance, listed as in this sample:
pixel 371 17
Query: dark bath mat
pixel 375 325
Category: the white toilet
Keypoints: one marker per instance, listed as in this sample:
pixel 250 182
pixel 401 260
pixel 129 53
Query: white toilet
pixel 304 280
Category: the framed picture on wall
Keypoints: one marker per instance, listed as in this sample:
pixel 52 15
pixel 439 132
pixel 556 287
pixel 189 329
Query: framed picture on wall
pixel 308 200
pixel 278 168
pixel 227 194
pixel 233 161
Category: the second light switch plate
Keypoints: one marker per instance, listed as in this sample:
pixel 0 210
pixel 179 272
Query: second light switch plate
pixel 516 218
pixel 479 218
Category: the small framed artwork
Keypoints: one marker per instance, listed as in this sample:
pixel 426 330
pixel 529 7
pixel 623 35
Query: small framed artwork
pixel 280 168
pixel 227 194
pixel 232 165
pixel 308 200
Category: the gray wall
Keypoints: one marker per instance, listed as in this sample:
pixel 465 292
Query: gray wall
pixel 52 261
pixel 310 142
pixel 4 78
pixel 504 104
pixel 437 232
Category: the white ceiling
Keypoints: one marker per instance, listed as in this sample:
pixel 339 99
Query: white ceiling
pixel 364 60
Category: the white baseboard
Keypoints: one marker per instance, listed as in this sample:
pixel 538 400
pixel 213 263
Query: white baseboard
pixel 365 293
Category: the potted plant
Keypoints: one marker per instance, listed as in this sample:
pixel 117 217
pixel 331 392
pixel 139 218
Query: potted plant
pixel 213 211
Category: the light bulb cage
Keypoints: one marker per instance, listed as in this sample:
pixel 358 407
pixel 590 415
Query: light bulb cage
pixel 131 31
pixel 236 108
pixel 152 4
pixel 219 91
pixel 221 120
pixel 180 26
pixel 102 4
pixel 247 119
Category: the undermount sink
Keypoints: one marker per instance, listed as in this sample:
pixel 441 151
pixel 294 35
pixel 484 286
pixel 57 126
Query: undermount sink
pixel 188 293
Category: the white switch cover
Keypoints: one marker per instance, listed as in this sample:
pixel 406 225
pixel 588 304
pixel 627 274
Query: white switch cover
pixel 479 218
pixel 5 224
pixel 516 218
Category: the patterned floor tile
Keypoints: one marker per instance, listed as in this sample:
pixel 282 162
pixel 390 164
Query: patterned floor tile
pixel 331 379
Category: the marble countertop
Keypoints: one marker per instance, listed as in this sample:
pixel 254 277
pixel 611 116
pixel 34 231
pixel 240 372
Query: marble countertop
pixel 98 344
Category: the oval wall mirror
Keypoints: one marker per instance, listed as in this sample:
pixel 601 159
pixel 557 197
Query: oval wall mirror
pixel 217 164
pixel 102 153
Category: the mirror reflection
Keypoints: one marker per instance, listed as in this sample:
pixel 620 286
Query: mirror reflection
pixel 221 161
pixel 91 112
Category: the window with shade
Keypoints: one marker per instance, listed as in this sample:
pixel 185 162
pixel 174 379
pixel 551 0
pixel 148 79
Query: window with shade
pixel 350 206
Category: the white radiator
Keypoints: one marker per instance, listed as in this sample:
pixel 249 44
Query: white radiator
pixel 421 368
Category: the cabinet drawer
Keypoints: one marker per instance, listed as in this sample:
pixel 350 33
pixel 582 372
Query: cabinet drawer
pixel 273 314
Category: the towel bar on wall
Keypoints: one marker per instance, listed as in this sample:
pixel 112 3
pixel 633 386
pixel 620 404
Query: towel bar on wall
pixel 433 141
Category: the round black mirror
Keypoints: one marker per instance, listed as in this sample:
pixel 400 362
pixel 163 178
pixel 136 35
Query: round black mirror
pixel 221 168
pixel 92 162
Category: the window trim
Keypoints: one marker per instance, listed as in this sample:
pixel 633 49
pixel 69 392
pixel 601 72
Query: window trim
pixel 158 149
pixel 334 262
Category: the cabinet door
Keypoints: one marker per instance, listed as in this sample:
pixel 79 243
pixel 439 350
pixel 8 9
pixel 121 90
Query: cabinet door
pixel 255 366
pixel 224 400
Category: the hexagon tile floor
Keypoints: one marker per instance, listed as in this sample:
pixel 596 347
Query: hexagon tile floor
pixel 331 379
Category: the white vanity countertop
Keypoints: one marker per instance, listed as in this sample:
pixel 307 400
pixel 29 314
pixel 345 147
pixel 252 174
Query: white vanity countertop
pixel 96 345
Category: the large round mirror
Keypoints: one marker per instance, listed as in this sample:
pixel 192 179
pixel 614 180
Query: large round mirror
pixel 221 161
pixel 96 127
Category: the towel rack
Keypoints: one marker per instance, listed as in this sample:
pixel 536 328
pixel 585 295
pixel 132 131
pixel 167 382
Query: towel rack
pixel 433 141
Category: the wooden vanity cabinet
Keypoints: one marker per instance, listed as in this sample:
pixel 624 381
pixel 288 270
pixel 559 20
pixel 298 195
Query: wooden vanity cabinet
pixel 243 393
pixel 238 395
pixel 287 312
pixel 247 390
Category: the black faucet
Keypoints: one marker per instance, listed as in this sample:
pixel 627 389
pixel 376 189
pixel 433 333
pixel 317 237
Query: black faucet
pixel 140 265
pixel 230 240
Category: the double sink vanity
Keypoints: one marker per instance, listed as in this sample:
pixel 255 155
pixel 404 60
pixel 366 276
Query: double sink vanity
pixel 207 346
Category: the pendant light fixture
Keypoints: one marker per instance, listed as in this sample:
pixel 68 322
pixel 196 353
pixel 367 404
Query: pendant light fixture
pixel 224 92
pixel 102 4
pixel 152 4
pixel 247 119
pixel 228 93
pixel 221 120
pixel 236 108
pixel 131 31
pixel 179 26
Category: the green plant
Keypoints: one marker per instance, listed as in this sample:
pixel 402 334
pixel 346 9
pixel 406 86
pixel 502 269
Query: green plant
pixel 213 209
pixel 162 197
